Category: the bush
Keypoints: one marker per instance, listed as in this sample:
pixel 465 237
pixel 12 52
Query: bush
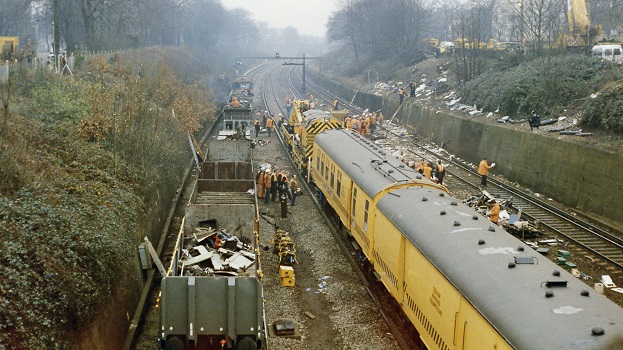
pixel 605 111
pixel 77 178
pixel 545 84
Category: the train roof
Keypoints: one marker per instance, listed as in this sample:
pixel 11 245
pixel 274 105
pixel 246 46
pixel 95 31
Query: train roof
pixel 370 166
pixel 449 233
pixel 314 114
pixel 512 299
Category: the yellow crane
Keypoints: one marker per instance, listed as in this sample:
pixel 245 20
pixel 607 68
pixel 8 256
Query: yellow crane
pixel 581 32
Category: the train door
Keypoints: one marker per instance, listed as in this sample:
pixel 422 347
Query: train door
pixel 352 208
pixel 466 331
pixel 473 332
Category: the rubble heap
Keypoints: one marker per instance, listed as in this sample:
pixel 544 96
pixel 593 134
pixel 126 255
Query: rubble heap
pixel 208 252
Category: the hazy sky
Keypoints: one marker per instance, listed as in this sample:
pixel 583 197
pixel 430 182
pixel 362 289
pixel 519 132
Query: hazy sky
pixel 307 16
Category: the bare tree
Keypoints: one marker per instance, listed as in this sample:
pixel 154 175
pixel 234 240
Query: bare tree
pixel 344 27
pixel 540 22
pixel 374 28
pixel 469 29
pixel 15 18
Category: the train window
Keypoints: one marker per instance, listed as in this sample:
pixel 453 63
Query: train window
pixel 332 176
pixel 365 216
pixel 352 210
pixel 322 168
pixel 326 172
pixel 317 162
pixel 339 183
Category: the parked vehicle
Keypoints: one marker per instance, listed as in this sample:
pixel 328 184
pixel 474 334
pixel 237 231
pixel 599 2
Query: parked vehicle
pixel 608 52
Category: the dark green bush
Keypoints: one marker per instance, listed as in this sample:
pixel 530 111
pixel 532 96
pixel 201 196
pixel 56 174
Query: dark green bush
pixel 71 204
pixel 545 84
pixel 605 111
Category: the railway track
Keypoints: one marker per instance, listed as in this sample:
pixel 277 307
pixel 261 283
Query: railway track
pixel 592 238
pixel 606 243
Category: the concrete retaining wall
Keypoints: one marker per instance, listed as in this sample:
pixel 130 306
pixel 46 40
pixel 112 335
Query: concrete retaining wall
pixel 577 175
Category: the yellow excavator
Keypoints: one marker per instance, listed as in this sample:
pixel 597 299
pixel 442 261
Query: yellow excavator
pixel 581 33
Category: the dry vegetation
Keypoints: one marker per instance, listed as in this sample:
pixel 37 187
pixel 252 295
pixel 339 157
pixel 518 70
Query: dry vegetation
pixel 82 159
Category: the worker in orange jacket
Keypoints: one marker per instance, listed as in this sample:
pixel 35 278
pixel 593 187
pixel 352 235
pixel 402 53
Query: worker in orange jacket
pixel 494 216
pixel 267 185
pixel 373 122
pixel 270 124
pixel 441 172
pixel 483 171
pixel 428 170
pixel 261 185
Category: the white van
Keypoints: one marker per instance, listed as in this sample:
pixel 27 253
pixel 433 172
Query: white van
pixel 610 52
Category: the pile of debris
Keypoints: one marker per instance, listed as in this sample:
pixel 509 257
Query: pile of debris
pixel 209 252
pixel 284 246
pixel 510 221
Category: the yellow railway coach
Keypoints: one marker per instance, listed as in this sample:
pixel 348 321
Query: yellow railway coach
pixel 461 281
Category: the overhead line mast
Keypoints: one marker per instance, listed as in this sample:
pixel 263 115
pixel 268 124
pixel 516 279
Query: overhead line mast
pixel 285 63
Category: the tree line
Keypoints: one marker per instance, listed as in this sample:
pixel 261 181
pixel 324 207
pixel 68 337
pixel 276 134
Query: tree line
pixel 372 30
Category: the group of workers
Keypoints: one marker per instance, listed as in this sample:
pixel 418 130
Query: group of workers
pixel 425 168
pixel 365 124
pixel 268 123
pixel 483 171
pixel 272 185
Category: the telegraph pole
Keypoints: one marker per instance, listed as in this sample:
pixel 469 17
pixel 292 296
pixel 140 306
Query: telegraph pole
pixel 55 33
pixel 303 76
pixel 299 64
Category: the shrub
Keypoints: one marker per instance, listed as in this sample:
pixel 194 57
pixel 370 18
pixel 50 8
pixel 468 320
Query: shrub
pixel 76 179
pixel 544 84
pixel 605 111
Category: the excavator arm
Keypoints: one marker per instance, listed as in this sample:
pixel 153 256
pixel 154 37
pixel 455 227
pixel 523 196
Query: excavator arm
pixel 578 16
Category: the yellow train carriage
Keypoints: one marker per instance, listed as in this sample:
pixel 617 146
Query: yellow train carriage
pixel 351 203
pixel 442 317
pixel 461 281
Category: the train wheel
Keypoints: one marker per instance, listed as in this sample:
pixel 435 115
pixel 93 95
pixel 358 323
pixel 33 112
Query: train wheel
pixel 174 343
pixel 246 343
